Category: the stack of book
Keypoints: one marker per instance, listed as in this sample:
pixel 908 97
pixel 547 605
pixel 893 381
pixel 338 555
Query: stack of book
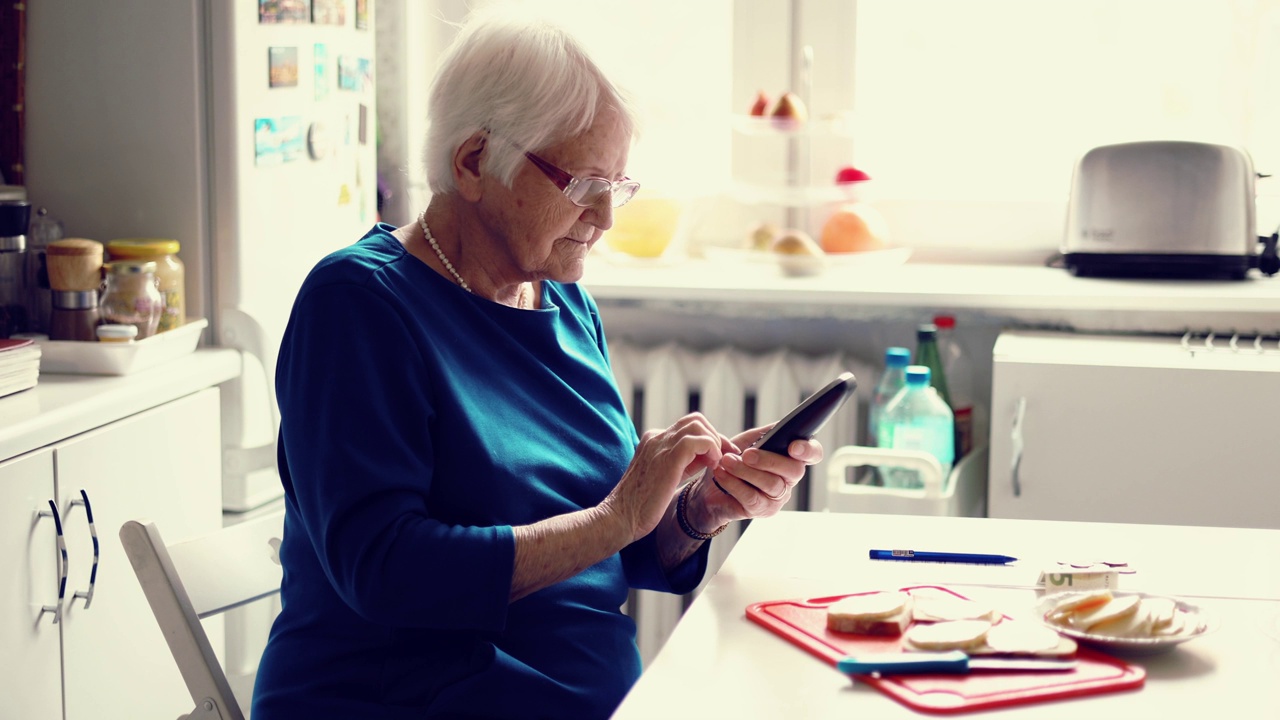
pixel 19 365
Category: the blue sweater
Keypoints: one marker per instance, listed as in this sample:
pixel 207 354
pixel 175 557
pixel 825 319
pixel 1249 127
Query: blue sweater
pixel 419 423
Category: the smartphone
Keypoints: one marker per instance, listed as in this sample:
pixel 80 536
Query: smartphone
pixel 807 418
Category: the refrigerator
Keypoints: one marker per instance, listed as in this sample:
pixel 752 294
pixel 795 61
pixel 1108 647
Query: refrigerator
pixel 244 129
pixel 1156 429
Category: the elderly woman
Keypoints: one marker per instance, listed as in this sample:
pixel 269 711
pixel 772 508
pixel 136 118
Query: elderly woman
pixel 467 501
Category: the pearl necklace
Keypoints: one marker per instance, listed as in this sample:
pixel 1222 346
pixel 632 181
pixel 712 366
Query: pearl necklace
pixel 521 301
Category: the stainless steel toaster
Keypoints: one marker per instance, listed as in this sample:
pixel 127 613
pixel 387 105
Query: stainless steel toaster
pixel 1162 209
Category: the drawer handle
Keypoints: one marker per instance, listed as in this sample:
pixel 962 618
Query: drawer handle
pixel 87 595
pixel 61 560
pixel 1016 436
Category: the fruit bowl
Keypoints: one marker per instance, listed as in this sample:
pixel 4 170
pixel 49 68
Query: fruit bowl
pixel 646 227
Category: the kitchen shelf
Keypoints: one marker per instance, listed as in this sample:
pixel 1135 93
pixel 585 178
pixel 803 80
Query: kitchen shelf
pixel 831 126
pixel 788 196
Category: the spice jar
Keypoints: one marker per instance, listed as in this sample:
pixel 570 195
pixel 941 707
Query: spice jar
pixel 74 315
pixel 170 273
pixel 130 296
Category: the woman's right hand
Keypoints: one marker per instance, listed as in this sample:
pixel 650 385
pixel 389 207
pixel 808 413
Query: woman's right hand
pixel 664 459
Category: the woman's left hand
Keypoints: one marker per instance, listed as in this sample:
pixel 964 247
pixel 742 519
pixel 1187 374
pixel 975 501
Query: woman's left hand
pixel 754 483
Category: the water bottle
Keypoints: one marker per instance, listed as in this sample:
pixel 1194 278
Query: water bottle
pixel 928 355
pixel 961 384
pixel 918 419
pixel 896 360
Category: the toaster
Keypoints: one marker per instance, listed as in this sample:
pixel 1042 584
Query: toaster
pixel 1162 209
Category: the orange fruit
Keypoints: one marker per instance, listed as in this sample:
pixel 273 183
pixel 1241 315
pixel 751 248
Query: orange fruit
pixel 854 227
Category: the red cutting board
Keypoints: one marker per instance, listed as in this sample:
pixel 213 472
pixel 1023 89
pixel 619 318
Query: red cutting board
pixel 804 623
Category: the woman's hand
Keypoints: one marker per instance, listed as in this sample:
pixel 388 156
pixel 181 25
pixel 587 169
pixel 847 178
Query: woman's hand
pixel 752 484
pixel 663 460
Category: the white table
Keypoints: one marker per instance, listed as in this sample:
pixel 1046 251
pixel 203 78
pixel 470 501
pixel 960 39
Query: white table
pixel 718 664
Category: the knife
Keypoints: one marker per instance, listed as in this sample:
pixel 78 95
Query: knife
pixel 955 661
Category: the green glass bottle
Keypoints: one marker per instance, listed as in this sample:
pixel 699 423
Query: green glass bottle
pixel 927 355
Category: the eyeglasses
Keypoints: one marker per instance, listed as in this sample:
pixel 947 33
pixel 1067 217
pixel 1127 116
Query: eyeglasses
pixel 588 191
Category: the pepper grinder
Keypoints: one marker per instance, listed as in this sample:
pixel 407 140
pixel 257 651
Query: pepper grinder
pixel 75 275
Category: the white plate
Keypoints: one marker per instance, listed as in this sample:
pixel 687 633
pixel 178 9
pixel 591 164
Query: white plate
pixel 867 258
pixel 108 358
pixel 1197 619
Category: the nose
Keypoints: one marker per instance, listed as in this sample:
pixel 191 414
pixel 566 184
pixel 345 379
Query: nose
pixel 600 214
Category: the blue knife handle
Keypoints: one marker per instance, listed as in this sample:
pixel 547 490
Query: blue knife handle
pixel 955 661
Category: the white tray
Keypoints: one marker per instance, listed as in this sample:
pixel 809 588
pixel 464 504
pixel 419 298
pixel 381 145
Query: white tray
pixel 108 358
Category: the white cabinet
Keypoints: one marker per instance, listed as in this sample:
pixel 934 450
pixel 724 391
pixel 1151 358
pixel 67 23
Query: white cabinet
pixel 29 654
pixel 106 657
pixel 1134 430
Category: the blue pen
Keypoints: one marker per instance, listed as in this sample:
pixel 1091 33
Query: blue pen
pixel 923 556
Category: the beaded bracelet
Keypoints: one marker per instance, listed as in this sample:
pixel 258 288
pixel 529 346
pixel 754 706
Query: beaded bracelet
pixel 683 518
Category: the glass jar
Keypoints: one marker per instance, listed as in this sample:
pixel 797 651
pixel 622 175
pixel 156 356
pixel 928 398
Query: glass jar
pixel 130 296
pixel 44 230
pixel 170 273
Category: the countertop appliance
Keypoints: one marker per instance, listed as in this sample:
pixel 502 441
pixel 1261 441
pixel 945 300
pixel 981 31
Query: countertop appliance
pixel 245 130
pixel 1164 209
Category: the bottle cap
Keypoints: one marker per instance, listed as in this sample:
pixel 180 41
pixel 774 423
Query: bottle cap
pixel 917 375
pixel 75 246
pixel 896 357
pixel 131 267
pixel 944 322
pixel 117 333
pixel 927 331
pixel 131 248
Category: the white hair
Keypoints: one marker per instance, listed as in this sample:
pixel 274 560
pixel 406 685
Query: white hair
pixel 527 82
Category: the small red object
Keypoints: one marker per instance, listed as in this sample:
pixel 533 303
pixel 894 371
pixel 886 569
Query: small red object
pixel 851 175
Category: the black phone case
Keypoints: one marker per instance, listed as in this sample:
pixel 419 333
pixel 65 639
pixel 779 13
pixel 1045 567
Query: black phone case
pixel 808 417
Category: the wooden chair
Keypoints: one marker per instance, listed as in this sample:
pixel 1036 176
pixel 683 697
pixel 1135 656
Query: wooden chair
pixel 189 581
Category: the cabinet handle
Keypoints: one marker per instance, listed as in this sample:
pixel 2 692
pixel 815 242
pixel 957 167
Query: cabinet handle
pixel 87 595
pixel 61 559
pixel 1016 436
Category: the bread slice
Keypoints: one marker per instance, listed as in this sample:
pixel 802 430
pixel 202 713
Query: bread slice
pixel 1021 637
pixel 950 635
pixel 1099 618
pixel 935 608
pixel 1135 624
pixel 1162 611
pixel 1076 604
pixel 882 613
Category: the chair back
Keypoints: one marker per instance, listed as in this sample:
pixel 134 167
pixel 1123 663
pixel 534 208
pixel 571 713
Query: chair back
pixel 192 580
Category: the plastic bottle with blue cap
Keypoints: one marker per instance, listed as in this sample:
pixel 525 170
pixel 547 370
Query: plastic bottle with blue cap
pixel 917 419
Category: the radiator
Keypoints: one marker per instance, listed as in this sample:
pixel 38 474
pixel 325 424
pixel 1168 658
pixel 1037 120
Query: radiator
pixel 735 390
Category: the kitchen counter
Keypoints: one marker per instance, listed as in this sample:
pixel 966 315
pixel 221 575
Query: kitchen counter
pixel 60 406
pixel 717 663
pixel 1024 295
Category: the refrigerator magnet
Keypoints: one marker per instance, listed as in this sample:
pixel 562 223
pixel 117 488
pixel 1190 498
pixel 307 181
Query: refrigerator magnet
pixel 363 133
pixel 362 14
pixel 273 12
pixel 283 63
pixel 276 140
pixel 319 142
pixel 321 62
pixel 328 12
pixel 348 73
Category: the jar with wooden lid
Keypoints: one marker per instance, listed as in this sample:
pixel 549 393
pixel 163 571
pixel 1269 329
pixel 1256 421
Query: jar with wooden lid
pixel 170 273
pixel 74 264
pixel 130 296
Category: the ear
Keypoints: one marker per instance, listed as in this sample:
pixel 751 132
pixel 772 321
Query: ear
pixel 466 166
